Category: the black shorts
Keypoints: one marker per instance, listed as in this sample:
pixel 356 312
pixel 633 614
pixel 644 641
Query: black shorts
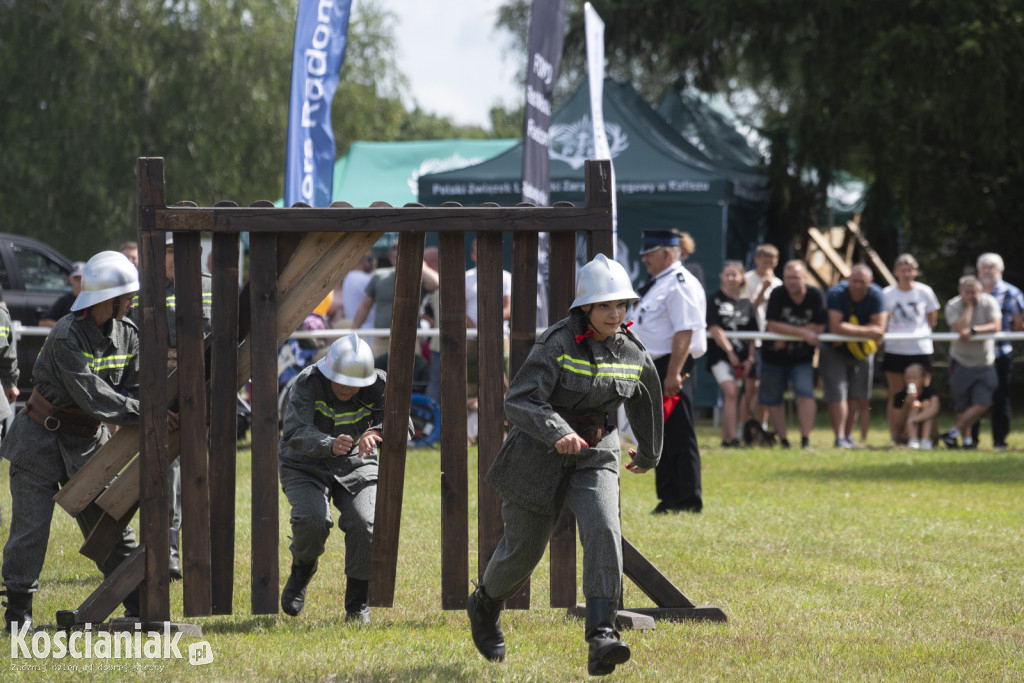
pixel 893 362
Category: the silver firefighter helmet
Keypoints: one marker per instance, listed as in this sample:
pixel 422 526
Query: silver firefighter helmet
pixel 106 275
pixel 349 361
pixel 603 280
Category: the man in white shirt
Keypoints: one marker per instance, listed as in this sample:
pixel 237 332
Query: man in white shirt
pixel 670 322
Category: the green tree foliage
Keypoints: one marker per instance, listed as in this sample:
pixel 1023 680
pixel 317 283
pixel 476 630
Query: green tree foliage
pixel 88 86
pixel 921 98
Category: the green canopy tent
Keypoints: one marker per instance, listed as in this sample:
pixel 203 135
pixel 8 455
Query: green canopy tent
pixel 390 171
pixel 658 184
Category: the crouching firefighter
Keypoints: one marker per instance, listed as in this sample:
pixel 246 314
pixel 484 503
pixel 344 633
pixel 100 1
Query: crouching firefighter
pixel 332 426
pixel 561 450
pixel 86 376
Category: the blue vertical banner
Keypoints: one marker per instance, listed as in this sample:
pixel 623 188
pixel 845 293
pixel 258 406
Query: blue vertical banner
pixel 321 32
pixel 547 34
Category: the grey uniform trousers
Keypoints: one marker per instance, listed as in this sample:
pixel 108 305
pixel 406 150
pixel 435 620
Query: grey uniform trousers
pixel 310 498
pixel 32 510
pixel 593 496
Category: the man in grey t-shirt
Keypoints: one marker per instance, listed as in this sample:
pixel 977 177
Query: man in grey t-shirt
pixel 972 373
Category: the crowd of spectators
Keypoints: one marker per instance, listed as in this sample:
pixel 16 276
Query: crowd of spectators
pixel 753 381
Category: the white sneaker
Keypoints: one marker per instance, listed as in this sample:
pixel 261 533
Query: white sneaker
pixel 926 444
pixel 914 443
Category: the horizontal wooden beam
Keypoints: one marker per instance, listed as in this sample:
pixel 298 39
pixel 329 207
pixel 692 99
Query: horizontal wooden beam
pixel 383 219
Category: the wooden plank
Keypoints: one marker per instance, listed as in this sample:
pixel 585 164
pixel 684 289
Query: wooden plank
pixel 89 481
pixel 876 261
pixel 524 334
pixel 102 602
pixel 382 218
pixel 834 259
pixel 154 517
pixel 223 421
pixel 195 475
pixel 491 389
pixel 398 395
pixel 454 449
pixel 648 579
pixel 563 541
pixel 105 535
pixel 524 299
pixel 265 433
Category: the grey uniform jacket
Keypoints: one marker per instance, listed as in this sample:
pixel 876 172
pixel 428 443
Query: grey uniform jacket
pixel 80 366
pixel 315 417
pixel 8 361
pixel 585 377
pixel 171 310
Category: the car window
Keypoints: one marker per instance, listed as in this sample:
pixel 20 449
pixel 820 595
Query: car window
pixel 40 272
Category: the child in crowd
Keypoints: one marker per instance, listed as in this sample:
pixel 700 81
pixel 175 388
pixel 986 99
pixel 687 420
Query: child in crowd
pixel 915 408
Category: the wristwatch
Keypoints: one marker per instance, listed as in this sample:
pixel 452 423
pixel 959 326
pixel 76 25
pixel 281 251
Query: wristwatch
pixel 973 331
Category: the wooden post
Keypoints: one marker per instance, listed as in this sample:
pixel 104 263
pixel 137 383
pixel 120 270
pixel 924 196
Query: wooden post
pixel 491 394
pixel 154 522
pixel 398 396
pixel 223 421
pixel 195 481
pixel 265 432
pixel 563 540
pixel 454 449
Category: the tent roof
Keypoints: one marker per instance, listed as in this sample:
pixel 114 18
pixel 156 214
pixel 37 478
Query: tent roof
pixel 650 159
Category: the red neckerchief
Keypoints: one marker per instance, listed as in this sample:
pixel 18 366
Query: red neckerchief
pixel 590 333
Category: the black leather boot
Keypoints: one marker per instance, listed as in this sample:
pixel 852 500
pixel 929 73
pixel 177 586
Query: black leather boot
pixel 356 591
pixel 174 561
pixel 485 624
pixel 131 605
pixel 293 597
pixel 606 650
pixel 19 611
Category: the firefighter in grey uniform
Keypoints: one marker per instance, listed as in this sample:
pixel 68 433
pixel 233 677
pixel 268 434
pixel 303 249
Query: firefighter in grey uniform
pixel 87 374
pixel 560 449
pixel 329 454
pixel 9 373
pixel 671 321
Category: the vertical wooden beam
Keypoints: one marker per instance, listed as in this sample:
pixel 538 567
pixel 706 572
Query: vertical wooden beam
pixel 491 346
pixel 154 522
pixel 223 421
pixel 524 334
pixel 265 432
pixel 563 540
pixel 398 397
pixel 454 449
pixel 524 299
pixel 195 476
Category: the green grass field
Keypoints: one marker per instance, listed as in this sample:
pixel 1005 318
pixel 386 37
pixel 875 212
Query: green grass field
pixel 871 565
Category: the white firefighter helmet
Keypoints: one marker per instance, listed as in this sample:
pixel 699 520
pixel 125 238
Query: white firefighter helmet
pixel 349 361
pixel 106 275
pixel 603 280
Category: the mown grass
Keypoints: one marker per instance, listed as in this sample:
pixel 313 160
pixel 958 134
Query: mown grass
pixel 870 565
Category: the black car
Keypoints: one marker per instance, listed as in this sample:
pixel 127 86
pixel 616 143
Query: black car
pixel 33 275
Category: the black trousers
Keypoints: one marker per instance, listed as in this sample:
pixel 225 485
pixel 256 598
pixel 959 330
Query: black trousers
pixel 1001 412
pixel 677 477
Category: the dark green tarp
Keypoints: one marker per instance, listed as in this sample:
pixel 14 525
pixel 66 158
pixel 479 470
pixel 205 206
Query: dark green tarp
pixel 660 183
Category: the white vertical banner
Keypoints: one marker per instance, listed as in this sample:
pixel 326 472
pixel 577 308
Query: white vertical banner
pixel 595 70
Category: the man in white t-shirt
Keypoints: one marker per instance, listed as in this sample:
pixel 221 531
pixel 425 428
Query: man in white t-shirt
pixel 759 285
pixel 349 294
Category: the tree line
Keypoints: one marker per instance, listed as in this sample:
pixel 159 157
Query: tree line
pixel 88 86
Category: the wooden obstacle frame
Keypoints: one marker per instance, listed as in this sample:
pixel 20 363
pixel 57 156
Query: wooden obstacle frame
pixel 297 256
